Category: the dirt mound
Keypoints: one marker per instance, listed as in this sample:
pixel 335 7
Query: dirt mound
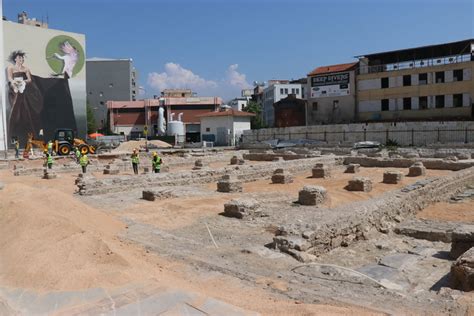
pixel 50 240
pixel 131 144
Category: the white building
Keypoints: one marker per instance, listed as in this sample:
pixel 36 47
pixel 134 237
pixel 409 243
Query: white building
pixel 224 128
pixel 239 103
pixel 274 93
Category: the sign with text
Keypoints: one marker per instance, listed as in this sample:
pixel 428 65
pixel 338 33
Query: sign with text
pixel 331 85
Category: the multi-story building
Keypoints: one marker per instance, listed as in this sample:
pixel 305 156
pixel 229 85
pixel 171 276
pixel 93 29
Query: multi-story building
pixel 131 117
pixel 23 19
pixel 277 90
pixel 177 93
pixel 423 83
pixel 109 80
pixel 239 103
pixel 332 95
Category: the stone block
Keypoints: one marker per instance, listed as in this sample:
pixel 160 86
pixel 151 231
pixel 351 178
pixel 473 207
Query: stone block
pixel 234 160
pixel 198 164
pixel 312 195
pixel 462 240
pixel 146 169
pixel 416 170
pixel 152 195
pixel 49 174
pixel 241 161
pixel 280 176
pixel 363 184
pixel 111 170
pixel 462 272
pixel 242 208
pixel 229 184
pixel 321 171
pixel 392 177
pixel 352 168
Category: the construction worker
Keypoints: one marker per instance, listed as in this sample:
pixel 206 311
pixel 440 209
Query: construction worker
pixel 78 154
pixel 156 162
pixel 135 160
pixel 84 161
pixel 49 160
pixel 50 147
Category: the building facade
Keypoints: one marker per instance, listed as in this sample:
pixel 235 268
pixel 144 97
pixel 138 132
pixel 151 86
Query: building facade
pixel 276 90
pixel 239 103
pixel 131 117
pixel 109 80
pixel 425 83
pixel 225 127
pixel 290 111
pixel 332 94
pixel 55 97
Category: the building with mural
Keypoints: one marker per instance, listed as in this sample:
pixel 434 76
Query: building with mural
pixel 45 82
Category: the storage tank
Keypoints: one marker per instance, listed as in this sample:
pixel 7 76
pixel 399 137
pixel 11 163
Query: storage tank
pixel 175 128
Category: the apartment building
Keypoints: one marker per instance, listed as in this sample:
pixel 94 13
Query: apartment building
pixel 109 80
pixel 332 95
pixel 277 90
pixel 425 83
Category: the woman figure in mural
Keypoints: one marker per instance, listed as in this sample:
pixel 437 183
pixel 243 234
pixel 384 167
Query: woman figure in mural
pixel 24 96
pixel 70 58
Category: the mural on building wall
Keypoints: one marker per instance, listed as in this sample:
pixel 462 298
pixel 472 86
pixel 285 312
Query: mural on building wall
pixel 41 104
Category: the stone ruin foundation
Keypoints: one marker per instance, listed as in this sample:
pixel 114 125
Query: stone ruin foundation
pixel 352 168
pixel 392 177
pixel 416 170
pixel 49 174
pixel 321 171
pixel 281 176
pixel 363 184
pixel 110 169
pixel 158 194
pixel 242 208
pixel 198 165
pixel 462 239
pixel 312 195
pixel 229 184
pixel 462 272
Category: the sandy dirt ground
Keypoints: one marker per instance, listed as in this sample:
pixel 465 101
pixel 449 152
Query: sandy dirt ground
pixel 50 240
pixel 444 211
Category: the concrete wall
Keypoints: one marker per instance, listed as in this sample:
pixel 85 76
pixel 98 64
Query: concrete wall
pixel 405 133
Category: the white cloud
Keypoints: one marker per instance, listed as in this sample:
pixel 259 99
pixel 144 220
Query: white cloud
pixel 177 77
pixel 235 78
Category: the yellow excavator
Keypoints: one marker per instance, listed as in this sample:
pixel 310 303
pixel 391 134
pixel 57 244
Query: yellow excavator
pixel 64 141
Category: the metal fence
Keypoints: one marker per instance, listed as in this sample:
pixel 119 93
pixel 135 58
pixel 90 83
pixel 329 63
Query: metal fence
pixel 407 137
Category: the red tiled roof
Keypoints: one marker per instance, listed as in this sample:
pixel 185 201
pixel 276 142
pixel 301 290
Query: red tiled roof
pixel 332 68
pixel 230 112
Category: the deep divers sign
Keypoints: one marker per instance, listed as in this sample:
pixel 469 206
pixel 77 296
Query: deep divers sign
pixel 332 85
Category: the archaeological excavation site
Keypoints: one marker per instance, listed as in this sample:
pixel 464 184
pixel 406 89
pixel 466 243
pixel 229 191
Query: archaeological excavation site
pixel 301 230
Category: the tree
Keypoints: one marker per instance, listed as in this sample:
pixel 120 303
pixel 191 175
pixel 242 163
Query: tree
pixel 90 120
pixel 256 122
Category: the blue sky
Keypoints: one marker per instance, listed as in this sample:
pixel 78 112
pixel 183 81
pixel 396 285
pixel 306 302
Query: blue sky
pixel 218 47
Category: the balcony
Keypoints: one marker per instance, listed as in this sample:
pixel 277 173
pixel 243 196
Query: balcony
pixel 404 65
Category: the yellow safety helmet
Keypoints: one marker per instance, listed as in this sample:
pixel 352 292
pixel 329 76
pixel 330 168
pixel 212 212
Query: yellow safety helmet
pixel 155 154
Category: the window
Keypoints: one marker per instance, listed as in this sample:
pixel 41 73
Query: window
pixel 384 104
pixel 407 103
pixel 457 100
pixel 439 77
pixel 315 106
pixel 208 129
pixel 384 82
pixel 423 103
pixel 286 91
pixel 297 91
pixel 457 75
pixel 101 102
pixel 407 80
pixel 439 101
pixel 292 90
pixel 282 91
pixel 423 79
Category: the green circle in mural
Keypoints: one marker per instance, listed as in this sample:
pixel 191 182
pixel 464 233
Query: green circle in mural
pixel 65 56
